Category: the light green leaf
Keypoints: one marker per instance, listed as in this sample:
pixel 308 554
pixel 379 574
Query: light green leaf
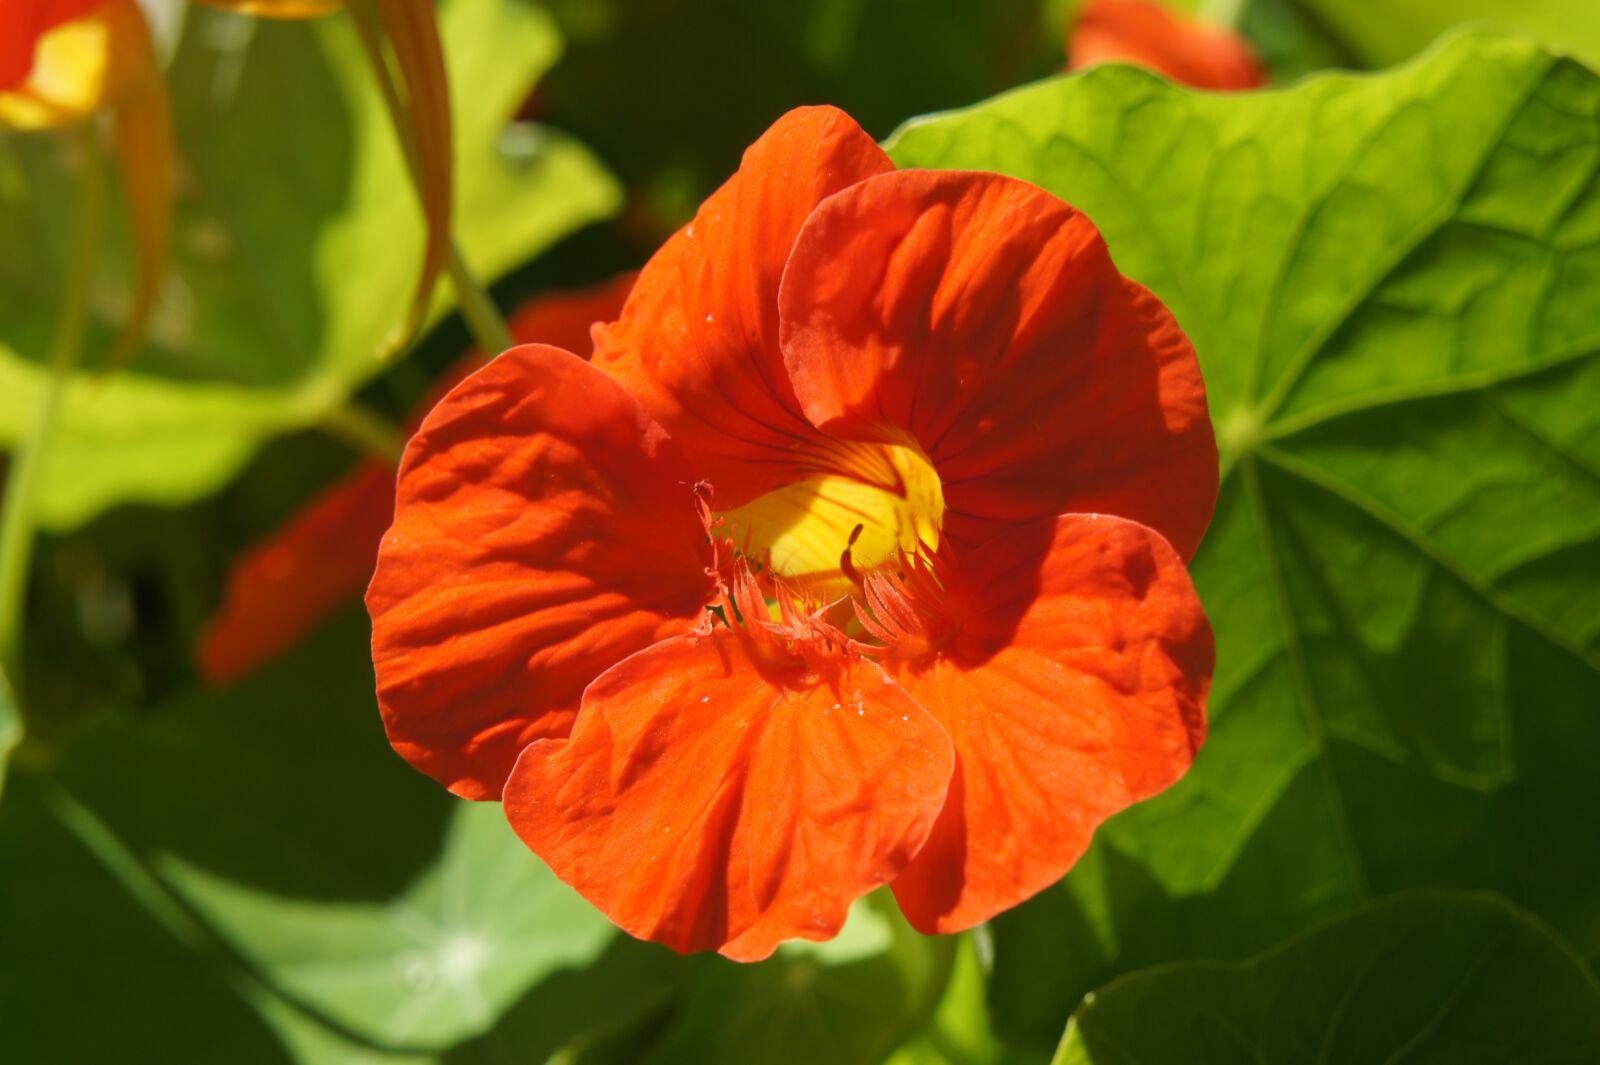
pixel 436 964
pixel 1433 977
pixel 296 247
pixel 1391 282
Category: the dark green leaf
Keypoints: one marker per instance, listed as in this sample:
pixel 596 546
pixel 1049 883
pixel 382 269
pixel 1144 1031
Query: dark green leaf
pixel 10 727
pixel 1431 978
pixel 87 975
pixel 1392 285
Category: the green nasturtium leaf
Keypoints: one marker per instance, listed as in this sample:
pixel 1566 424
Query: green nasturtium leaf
pixel 440 962
pixel 1430 977
pixel 1392 283
pixel 296 246
pixel 87 974
pixel 357 890
pixel 603 1012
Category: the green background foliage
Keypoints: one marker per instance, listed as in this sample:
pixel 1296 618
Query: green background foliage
pixel 1388 844
pixel 297 235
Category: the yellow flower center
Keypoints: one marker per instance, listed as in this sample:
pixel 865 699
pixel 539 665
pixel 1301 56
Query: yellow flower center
pixel 821 531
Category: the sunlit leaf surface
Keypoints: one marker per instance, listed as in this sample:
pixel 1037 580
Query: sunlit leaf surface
pixel 1391 284
pixel 438 962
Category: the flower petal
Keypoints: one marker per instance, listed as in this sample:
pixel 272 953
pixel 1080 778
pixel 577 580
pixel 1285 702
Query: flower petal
pixel 712 798
pixel 1152 35
pixel 697 342
pixel 1069 661
pixel 544 529
pixel 982 319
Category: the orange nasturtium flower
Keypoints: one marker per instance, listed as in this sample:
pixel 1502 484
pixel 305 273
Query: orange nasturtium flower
pixel 323 555
pixel 1148 34
pixel 64 61
pixel 951 463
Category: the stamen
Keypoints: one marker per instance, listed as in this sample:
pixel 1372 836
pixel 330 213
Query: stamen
pixel 847 565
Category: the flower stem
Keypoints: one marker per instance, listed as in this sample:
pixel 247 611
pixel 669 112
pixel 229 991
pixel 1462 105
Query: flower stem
pixel 484 320
pixel 17 523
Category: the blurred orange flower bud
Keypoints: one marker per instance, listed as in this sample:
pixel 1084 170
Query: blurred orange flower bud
pixel 1149 35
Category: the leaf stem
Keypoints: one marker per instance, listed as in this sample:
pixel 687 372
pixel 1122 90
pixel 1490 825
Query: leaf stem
pixel 484 320
pixel 17 523
pixel 366 430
